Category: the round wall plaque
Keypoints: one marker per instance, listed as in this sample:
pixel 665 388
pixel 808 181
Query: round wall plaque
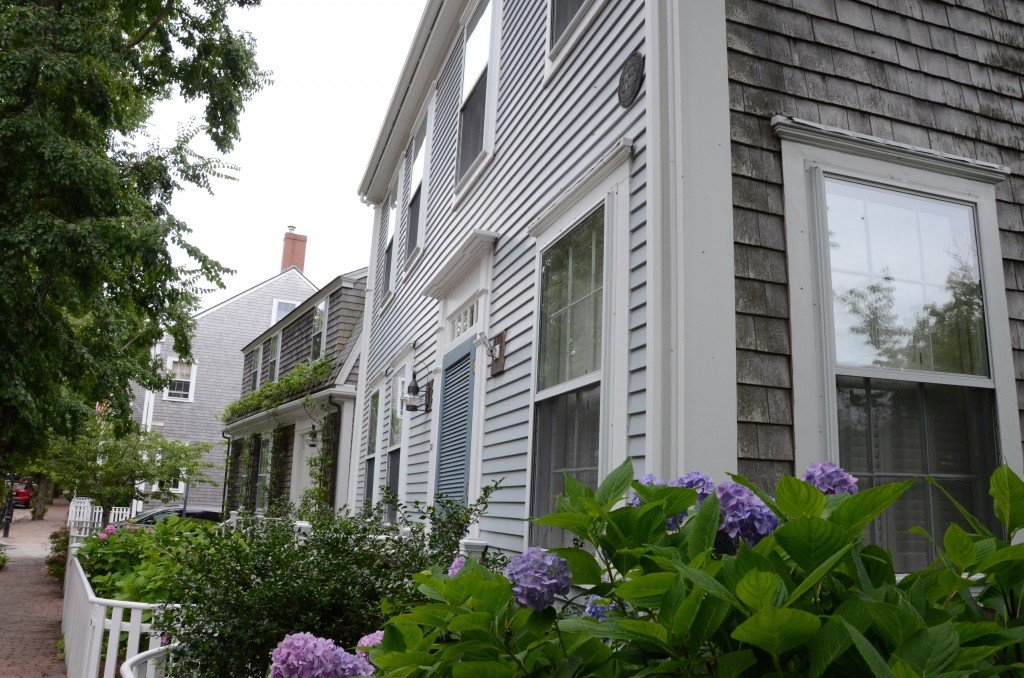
pixel 631 79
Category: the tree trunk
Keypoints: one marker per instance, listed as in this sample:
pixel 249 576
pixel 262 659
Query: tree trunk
pixel 44 497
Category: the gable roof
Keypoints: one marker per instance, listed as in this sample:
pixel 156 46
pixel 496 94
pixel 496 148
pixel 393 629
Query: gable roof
pixel 291 270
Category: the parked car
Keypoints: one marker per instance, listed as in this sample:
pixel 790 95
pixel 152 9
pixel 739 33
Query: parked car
pixel 23 493
pixel 162 513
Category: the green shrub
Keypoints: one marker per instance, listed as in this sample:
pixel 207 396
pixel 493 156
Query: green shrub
pixel 660 590
pixel 249 588
pixel 57 559
pixel 141 563
pixel 3 557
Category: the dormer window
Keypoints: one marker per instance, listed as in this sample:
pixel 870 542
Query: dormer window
pixel 319 330
pixel 254 369
pixel 275 357
pixel 475 74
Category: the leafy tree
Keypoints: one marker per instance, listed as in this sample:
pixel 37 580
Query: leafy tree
pixel 109 468
pixel 87 280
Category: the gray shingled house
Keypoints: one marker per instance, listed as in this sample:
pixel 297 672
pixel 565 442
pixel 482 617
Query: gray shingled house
pixel 272 442
pixel 190 408
pixel 732 235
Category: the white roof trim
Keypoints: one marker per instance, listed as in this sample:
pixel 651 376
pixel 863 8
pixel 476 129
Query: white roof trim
pixel 353 356
pixel 477 244
pixel 284 414
pixel 620 152
pixel 865 145
pixel 254 288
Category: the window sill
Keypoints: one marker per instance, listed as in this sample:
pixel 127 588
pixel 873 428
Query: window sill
pixel 385 302
pixel 464 186
pixel 412 261
pixel 566 45
pixel 177 400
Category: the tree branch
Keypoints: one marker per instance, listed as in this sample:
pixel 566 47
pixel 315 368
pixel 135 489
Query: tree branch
pixel 152 26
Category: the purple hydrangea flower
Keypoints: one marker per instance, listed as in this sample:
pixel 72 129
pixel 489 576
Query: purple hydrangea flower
pixel 537 577
pixel 743 515
pixel 830 478
pixel 457 565
pixel 695 480
pixel 372 640
pixel 647 479
pixel 303 655
pixel 597 609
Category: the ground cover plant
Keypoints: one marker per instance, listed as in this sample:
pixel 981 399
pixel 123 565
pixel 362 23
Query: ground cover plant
pixel 685 578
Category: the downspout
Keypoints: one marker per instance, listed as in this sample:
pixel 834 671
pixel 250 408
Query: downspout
pixel 336 437
pixel 227 473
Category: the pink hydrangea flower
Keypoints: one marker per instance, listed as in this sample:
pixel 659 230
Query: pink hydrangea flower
pixel 102 536
pixel 110 529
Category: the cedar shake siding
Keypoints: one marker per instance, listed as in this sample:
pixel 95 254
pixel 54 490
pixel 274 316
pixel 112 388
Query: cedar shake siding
pixel 930 74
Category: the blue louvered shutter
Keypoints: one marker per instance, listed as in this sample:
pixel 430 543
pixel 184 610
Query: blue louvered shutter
pixel 455 423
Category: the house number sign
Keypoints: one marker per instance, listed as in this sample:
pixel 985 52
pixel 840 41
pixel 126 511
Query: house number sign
pixel 631 79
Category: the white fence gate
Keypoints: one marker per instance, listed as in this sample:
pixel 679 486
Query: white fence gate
pixel 84 519
pixel 93 628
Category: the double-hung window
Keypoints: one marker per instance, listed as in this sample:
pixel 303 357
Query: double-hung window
pixel 275 357
pixel 396 422
pixel 255 367
pixel 567 419
pixel 914 376
pixel 474 106
pixel 182 378
pixel 388 271
pixel 372 424
pixel 416 207
pixel 319 337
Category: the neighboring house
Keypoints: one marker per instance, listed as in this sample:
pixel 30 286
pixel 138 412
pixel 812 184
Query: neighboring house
pixel 272 444
pixel 190 408
pixel 726 236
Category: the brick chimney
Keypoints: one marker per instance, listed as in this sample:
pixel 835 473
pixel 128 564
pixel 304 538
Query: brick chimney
pixel 294 252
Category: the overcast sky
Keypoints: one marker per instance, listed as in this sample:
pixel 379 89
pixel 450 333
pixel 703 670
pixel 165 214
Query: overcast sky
pixel 306 138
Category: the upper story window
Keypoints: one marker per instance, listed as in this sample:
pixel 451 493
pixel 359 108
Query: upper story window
pixel 319 338
pixel 896 282
pixel 388 273
pixel 255 368
pixel 275 357
pixel 281 309
pixel 182 380
pixel 562 14
pixel 474 107
pixel 416 208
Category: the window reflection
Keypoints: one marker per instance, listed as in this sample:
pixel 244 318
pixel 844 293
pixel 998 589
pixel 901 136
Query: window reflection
pixel 906 281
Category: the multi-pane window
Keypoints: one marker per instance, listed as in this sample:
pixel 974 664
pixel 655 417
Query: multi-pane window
pixel 572 273
pixel 263 474
pixel 254 368
pixel 181 380
pixel 275 357
pixel 415 207
pixel 389 249
pixel 464 319
pixel 319 330
pixel 372 429
pixel 397 413
pixel 562 14
pixel 282 308
pixel 567 413
pixel 473 106
pixel 910 354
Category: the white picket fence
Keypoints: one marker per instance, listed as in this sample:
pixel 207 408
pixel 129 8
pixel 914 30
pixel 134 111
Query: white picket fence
pixel 85 519
pixel 93 627
pixel 148 664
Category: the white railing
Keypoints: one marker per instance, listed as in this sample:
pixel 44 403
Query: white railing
pixel 93 627
pixel 84 519
pixel 121 513
pixel 148 664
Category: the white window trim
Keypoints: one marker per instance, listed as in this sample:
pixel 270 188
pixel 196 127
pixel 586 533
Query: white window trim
pixel 559 52
pixel 424 124
pixel 465 184
pixel 273 311
pixel 403 442
pixel 277 357
pixel 192 384
pixel 323 330
pixel 605 183
pixel 370 493
pixel 257 366
pixel 397 189
pixel 809 152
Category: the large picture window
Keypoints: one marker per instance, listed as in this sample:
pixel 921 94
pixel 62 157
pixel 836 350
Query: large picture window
pixel 567 420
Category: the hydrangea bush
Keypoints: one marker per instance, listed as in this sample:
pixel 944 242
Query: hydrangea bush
pixel 686 578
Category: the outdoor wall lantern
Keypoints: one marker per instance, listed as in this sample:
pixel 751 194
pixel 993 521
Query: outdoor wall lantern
pixel 412 398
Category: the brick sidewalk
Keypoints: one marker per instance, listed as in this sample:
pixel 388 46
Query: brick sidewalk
pixel 30 601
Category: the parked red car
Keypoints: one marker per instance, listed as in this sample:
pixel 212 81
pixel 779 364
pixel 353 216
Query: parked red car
pixel 23 492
